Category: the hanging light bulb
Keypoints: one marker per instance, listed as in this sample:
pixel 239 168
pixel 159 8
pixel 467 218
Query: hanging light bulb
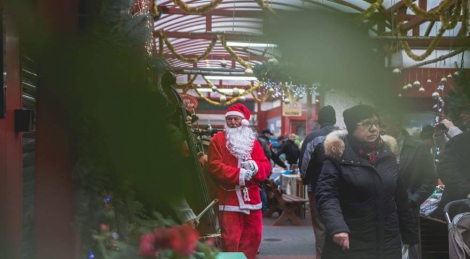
pixel 399 95
pixel 429 81
pixel 214 88
pixel 443 80
pixel 317 101
pixel 416 84
pixel 198 85
pixel 235 91
pixel 435 95
pixel 409 86
pixel 271 90
pixel 456 73
pixel 449 76
pixel 397 71
pixel 242 99
pixel 421 89
pixel 248 72
pixel 223 98
pixel 287 101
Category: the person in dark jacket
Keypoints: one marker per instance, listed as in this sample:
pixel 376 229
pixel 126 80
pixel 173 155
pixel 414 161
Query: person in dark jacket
pixel 291 150
pixel 327 120
pixel 264 137
pixel 454 170
pixel 416 165
pixel 359 194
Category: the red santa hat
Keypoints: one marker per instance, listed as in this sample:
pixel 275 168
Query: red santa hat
pixel 239 110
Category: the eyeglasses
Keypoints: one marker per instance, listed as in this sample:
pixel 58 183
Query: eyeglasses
pixel 237 119
pixel 368 124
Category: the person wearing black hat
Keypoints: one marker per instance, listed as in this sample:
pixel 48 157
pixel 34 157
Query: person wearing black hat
pixel 359 195
pixel 327 120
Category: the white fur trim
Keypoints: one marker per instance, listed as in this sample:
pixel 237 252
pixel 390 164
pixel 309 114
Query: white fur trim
pixel 235 113
pixel 242 176
pixel 233 209
pixel 254 165
pixel 245 123
pixel 242 202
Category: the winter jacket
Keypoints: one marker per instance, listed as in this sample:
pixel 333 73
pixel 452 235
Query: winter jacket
pixel 315 167
pixel 417 170
pixel 265 146
pixel 313 139
pixel 273 156
pixel 440 141
pixel 454 169
pixel 367 201
pixel 291 150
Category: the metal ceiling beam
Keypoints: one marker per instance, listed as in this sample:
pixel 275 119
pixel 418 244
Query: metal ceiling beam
pixel 423 42
pixel 209 35
pixel 220 57
pixel 217 12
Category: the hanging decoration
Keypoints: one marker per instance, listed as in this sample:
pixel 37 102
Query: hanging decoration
pixel 212 5
pixel 266 7
pixel 232 52
pixel 372 8
pixel 443 6
pixel 187 84
pixel 447 24
pixel 181 57
pixel 199 9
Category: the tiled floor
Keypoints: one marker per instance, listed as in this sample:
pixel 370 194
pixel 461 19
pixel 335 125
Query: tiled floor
pixel 287 242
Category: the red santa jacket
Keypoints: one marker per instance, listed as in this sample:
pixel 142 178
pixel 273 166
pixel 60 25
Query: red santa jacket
pixel 236 194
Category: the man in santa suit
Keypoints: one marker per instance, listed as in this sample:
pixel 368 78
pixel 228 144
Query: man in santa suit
pixel 237 163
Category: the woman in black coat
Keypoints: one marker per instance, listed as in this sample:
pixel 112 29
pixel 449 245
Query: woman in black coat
pixel 359 196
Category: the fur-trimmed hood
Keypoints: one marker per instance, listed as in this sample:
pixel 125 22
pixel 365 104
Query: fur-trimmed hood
pixel 334 144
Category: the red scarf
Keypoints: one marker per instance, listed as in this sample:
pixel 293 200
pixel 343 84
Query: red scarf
pixel 369 151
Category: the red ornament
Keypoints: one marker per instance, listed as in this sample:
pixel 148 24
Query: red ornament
pixel 184 239
pixel 162 238
pixel 146 248
pixel 104 227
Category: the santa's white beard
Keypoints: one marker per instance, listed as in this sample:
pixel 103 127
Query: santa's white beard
pixel 240 141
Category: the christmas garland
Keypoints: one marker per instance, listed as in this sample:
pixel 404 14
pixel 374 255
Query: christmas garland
pixel 181 57
pixel 372 8
pixel 265 97
pixel 212 5
pixel 464 28
pixel 197 10
pixel 266 7
pixel 455 14
pixel 187 84
pixel 446 25
pixel 441 9
pixel 232 53
pixel 249 91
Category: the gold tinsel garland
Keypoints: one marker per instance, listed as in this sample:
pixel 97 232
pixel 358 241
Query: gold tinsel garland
pixel 232 53
pixel 446 25
pixel 212 5
pixel 249 91
pixel 464 28
pixel 187 84
pixel 197 10
pixel 372 8
pixel 266 7
pixel 441 9
pixel 455 14
pixel 181 57
pixel 264 98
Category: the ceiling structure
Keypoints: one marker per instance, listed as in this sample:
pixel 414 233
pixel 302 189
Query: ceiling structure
pixel 242 20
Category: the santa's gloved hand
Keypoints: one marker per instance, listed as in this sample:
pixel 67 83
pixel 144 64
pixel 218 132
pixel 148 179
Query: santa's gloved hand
pixel 246 174
pixel 250 165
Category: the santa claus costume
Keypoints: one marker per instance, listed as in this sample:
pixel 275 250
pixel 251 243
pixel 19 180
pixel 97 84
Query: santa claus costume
pixel 237 163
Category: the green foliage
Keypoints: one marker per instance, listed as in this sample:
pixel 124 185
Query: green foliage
pixel 458 95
